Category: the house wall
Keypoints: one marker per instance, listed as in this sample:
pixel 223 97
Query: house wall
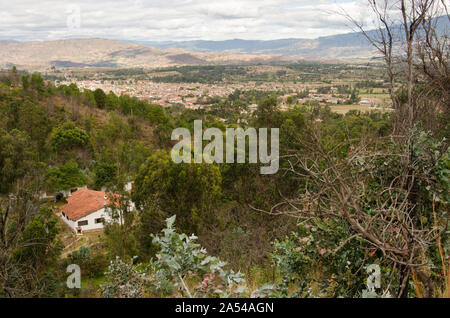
pixel 70 223
pixel 91 221
pixel 102 213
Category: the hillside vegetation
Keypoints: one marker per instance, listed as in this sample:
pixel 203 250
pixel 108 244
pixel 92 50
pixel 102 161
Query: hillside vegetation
pixel 56 138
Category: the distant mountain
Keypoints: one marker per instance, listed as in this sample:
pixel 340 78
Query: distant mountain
pixel 343 46
pixel 114 54
pixel 254 46
pixel 126 54
pixel 347 46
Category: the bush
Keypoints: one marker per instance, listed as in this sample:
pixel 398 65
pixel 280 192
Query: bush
pixel 181 258
pixel 125 280
pixel 68 136
pixel 105 174
pixel 65 177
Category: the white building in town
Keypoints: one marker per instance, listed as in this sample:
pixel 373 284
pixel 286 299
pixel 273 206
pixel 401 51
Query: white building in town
pixel 87 210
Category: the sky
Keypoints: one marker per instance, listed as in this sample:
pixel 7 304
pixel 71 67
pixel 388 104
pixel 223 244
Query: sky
pixel 176 20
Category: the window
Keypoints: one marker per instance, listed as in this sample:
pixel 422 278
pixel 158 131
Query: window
pixel 99 220
pixel 83 223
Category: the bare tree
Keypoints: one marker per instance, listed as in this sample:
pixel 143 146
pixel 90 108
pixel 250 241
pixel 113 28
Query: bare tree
pixel 416 56
pixel 371 191
pixel 414 52
pixel 432 67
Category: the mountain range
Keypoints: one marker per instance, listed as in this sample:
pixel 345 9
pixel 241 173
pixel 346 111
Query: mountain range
pixel 347 46
pixel 146 54
pixel 112 54
pixel 343 46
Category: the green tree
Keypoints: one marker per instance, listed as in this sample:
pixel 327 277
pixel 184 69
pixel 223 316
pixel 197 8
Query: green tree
pixel 191 191
pixel 33 120
pixel 37 82
pixel 65 177
pixel 112 101
pixel 89 98
pixel 267 114
pixel 119 232
pixel 100 98
pixel 16 158
pixel 29 248
pixel 354 97
pixel 68 137
pixel 105 174
pixel 41 248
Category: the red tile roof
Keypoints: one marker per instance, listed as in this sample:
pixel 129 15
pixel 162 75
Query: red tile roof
pixel 84 202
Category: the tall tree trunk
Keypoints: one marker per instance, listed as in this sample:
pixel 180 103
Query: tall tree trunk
pixel 404 272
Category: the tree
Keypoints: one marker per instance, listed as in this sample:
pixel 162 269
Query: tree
pixel 28 245
pixel 25 82
pixel 290 100
pixel 65 177
pixel 93 263
pixel 311 256
pixel 89 98
pixel 105 174
pixel 354 98
pixel 68 137
pixel 37 82
pixel 119 231
pixel 33 120
pixel 408 41
pixel 147 223
pixel 40 246
pixel 189 190
pixel 16 158
pixel 267 115
pixel 386 193
pixel 112 101
pixel 100 98
pixel 179 259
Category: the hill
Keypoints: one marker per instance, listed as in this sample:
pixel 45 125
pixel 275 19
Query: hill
pixel 348 46
pixel 147 54
pixel 343 46
pixel 110 53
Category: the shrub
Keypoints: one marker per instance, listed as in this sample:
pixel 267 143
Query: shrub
pixel 181 257
pixel 68 136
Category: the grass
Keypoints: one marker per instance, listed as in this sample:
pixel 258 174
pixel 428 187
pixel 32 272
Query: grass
pixel 88 239
pixel 90 287
pixel 343 109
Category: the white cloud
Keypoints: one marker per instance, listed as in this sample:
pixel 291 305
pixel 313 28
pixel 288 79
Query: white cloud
pixel 159 20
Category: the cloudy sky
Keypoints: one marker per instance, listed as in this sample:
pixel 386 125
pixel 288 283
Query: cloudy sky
pixel 165 20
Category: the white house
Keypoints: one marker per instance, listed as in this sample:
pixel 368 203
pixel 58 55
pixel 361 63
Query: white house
pixel 366 101
pixel 86 210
